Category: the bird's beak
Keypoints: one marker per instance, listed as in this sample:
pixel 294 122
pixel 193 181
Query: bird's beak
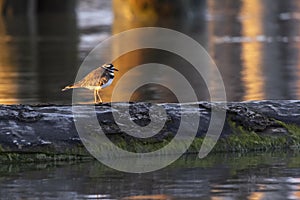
pixel 116 69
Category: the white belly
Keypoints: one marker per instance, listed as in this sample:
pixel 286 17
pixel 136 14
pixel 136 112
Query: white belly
pixel 107 84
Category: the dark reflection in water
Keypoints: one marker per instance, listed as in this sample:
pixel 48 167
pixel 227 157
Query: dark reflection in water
pixel 229 176
pixel 255 45
pixel 37 54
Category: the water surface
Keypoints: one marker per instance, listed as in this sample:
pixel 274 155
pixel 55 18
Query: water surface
pixel 225 176
pixel 255 45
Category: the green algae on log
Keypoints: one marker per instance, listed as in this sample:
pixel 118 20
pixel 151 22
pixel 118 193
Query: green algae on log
pixel 47 132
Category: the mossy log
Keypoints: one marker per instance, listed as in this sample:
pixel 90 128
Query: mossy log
pixel 46 132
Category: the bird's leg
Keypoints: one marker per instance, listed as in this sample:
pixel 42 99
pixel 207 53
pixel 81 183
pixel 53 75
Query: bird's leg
pixel 98 94
pixel 95 96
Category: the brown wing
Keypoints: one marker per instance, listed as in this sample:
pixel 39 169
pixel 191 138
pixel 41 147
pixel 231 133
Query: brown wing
pixel 96 77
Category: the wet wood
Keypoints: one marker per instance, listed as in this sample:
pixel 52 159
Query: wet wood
pixel 50 128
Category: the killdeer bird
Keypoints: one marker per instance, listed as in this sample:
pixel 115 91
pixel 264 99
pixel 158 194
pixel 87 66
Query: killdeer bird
pixel 96 80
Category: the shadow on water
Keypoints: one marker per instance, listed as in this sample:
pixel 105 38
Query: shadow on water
pixel 251 176
pixel 253 43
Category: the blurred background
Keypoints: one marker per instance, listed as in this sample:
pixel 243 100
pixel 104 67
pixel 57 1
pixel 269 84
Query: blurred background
pixel 255 44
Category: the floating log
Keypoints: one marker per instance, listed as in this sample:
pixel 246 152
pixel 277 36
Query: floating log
pixel 47 131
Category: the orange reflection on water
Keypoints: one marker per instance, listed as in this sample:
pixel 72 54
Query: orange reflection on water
pixel 296 194
pixel 135 10
pixel 256 196
pixel 149 197
pixel 252 26
pixel 125 63
pixel 127 16
pixel 8 73
pixel 217 198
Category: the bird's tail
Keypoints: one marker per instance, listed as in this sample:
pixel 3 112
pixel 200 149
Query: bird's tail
pixel 68 87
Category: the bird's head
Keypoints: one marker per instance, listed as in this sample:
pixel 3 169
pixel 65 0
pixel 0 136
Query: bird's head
pixel 109 67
